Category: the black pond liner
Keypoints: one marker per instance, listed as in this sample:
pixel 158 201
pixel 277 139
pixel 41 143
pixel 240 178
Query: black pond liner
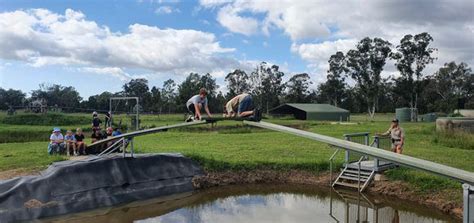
pixel 79 185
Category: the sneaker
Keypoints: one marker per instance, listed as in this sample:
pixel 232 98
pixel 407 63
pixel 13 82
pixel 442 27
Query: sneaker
pixel 190 118
pixel 258 114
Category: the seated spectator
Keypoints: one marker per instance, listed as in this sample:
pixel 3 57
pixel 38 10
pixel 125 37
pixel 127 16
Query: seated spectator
pixel 56 142
pixel 96 136
pixel 70 141
pixel 116 132
pixel 80 144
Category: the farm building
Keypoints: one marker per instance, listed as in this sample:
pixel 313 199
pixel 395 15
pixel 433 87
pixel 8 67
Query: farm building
pixel 324 112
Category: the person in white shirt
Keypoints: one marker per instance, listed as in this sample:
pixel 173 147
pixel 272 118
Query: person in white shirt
pixel 56 142
pixel 196 103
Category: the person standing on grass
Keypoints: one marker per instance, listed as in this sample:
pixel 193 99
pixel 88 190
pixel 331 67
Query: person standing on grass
pixel 56 142
pixel 196 103
pixel 80 144
pixel 108 119
pixel 70 141
pixel 397 135
pixel 95 121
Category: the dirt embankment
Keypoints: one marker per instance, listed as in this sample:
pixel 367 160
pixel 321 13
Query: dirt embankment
pixel 401 190
pixel 439 200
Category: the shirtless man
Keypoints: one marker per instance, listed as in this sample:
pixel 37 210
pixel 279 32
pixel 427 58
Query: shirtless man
pixel 397 134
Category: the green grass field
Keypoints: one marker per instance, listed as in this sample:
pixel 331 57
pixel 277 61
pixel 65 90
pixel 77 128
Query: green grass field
pixel 232 146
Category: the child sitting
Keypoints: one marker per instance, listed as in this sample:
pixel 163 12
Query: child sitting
pixel 80 144
pixel 70 141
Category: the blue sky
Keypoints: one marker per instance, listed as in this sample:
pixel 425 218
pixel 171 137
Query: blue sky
pixel 97 46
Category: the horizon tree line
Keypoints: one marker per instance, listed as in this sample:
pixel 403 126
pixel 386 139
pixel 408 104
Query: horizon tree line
pixel 449 88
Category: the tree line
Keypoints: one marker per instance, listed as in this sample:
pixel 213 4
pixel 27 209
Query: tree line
pixel 354 82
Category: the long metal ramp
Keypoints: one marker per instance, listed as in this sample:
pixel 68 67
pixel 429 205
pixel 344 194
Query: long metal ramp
pixel 412 162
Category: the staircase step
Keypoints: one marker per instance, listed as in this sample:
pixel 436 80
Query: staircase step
pixel 353 178
pixel 347 184
pixel 355 175
pixel 362 172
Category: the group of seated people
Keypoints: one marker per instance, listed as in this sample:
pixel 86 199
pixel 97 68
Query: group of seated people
pixel 73 144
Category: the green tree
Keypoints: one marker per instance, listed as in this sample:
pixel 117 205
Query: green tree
pixel 297 88
pixel 266 85
pixel 365 64
pixel 333 90
pixel 412 55
pixel 156 102
pixel 237 83
pixel 11 97
pixel 168 95
pixel 190 87
pixel 454 83
pixel 139 88
pixel 65 97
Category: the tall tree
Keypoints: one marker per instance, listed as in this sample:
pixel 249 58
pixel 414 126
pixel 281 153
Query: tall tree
pixel 297 88
pixel 11 97
pixel 139 88
pixel 454 83
pixel 237 83
pixel 168 95
pixel 267 85
pixel 156 102
pixel 365 64
pixel 191 85
pixel 57 95
pixel 412 56
pixel 334 88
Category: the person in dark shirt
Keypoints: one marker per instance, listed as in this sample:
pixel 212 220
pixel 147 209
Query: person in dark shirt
pixel 108 119
pixel 96 136
pixel 80 144
pixel 95 121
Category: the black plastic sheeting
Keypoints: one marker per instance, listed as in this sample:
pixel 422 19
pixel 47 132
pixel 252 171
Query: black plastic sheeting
pixel 74 186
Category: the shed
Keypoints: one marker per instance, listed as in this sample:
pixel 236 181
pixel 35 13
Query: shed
pixel 309 111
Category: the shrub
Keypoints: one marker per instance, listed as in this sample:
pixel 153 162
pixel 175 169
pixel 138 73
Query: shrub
pixel 50 119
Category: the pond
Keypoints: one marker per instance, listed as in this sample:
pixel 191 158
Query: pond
pixel 264 203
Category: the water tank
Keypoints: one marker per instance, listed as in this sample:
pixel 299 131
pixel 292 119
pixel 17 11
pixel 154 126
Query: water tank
pixel 430 117
pixel 403 114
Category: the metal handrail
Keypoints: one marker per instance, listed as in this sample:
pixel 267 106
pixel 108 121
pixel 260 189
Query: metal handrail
pixel 111 148
pixel 358 172
pixel 416 163
pixel 330 165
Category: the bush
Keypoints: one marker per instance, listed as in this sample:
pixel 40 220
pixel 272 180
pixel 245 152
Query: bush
pixel 50 119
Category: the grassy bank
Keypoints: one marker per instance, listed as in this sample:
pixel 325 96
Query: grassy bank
pixel 232 146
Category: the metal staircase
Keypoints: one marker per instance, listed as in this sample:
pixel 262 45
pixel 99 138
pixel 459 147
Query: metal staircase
pixel 354 178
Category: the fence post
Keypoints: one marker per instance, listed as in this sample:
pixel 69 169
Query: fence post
pixel 347 155
pixel 468 215
pixel 377 145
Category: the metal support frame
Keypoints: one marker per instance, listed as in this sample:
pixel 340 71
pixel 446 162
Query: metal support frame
pixel 330 165
pixel 137 115
pixel 468 194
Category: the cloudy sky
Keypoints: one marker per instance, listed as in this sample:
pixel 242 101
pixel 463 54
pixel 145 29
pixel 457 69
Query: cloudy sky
pixel 97 46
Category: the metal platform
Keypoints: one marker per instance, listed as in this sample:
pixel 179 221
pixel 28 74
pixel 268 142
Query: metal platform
pixel 372 165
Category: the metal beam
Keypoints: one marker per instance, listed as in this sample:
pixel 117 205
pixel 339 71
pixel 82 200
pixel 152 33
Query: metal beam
pixel 148 131
pixel 443 170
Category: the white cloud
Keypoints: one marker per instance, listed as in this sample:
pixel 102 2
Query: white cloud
pixel 317 27
pixel 213 3
pixel 229 18
pixel 40 37
pixel 114 71
pixel 166 10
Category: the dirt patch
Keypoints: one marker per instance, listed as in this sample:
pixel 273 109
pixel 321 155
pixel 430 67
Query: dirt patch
pixel 404 191
pixel 8 174
pixel 398 189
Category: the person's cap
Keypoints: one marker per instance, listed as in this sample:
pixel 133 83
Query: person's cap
pixel 56 129
pixel 395 120
pixel 94 113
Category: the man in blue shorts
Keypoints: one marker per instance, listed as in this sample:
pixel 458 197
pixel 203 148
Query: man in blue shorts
pixel 242 106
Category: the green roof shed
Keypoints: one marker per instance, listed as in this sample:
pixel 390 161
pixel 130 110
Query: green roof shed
pixel 324 112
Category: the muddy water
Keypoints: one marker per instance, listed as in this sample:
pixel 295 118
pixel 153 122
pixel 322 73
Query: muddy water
pixel 263 203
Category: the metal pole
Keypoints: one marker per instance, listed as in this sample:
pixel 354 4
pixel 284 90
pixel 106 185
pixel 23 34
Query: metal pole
pixel 110 110
pixel 347 155
pixel 138 118
pixel 131 147
pixel 123 147
pixel 468 215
